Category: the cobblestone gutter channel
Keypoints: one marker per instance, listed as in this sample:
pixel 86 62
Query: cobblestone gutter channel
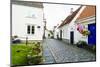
pixel 48 56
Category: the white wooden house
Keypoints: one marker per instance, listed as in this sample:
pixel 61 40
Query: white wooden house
pixel 48 34
pixel 68 29
pixel 67 26
pixel 56 32
pixel 27 20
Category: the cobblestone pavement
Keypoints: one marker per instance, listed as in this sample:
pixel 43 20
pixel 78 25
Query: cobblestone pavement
pixel 48 57
pixel 55 51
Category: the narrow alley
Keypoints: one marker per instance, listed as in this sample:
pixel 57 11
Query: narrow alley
pixel 55 51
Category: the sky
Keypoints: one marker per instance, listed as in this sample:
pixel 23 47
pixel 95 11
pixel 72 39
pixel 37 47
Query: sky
pixel 56 13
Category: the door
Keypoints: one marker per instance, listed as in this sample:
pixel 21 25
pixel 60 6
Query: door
pixel 72 37
pixel 61 34
pixel 92 36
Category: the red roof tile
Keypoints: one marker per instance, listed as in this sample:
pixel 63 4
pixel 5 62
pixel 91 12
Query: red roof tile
pixel 87 12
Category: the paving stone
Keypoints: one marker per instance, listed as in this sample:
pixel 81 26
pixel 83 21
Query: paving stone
pixel 56 51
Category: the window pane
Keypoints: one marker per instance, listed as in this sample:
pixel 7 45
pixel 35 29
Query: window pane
pixel 28 29
pixel 32 29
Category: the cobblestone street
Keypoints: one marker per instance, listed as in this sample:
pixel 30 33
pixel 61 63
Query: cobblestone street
pixel 55 51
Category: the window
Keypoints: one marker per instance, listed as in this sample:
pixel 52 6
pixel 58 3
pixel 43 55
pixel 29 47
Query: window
pixel 30 29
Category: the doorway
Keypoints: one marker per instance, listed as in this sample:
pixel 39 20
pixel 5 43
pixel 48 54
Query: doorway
pixel 92 36
pixel 72 37
pixel 60 34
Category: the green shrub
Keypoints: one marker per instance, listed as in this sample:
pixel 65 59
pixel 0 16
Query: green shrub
pixel 37 44
pixel 35 56
pixel 82 44
pixel 36 59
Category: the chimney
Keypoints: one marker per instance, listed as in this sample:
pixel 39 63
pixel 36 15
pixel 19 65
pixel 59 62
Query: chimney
pixel 71 10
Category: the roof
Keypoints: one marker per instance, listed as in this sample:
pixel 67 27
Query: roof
pixel 87 12
pixel 28 3
pixel 70 17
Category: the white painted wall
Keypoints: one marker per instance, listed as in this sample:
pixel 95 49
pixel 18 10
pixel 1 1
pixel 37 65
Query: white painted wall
pixel 65 31
pixel 71 27
pixel 56 32
pixel 20 21
pixel 46 33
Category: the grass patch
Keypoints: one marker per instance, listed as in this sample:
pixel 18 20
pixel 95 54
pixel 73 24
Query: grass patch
pixel 19 53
